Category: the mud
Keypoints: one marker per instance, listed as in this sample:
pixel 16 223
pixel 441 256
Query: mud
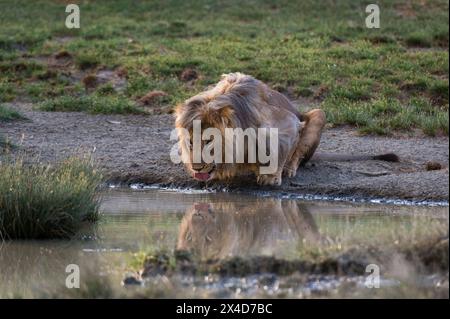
pixel 135 149
pixel 429 257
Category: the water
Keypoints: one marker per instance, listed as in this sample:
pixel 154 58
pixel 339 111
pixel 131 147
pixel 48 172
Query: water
pixel 217 226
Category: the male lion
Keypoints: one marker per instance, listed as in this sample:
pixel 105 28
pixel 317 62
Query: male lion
pixel 221 229
pixel 241 101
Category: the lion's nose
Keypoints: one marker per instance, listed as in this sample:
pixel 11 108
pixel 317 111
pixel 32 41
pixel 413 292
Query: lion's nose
pixel 201 206
pixel 198 167
pixel 197 214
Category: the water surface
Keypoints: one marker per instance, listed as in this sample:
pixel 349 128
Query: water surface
pixel 212 225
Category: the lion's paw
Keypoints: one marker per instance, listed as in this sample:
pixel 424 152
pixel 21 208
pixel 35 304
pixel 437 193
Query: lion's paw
pixel 289 172
pixel 274 180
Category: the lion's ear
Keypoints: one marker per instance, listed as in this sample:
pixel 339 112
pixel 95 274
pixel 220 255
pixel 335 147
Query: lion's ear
pixel 179 109
pixel 219 114
pixel 226 112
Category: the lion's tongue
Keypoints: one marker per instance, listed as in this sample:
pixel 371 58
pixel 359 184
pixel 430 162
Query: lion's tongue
pixel 201 176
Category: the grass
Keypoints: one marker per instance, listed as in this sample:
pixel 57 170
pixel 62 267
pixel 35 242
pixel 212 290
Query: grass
pixel 387 114
pixel 92 104
pixel 319 51
pixel 381 236
pixel 43 201
pixel 8 114
pixel 5 144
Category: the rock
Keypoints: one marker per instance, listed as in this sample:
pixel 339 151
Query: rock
pixel 366 173
pixel 158 264
pixel 62 55
pixel 122 72
pixel 433 166
pixel 189 75
pixel 60 59
pixel 104 77
pixel 131 281
pixel 113 122
pixel 151 97
pixel 116 79
pixel 90 81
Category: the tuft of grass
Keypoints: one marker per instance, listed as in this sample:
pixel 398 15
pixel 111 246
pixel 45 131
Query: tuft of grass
pixel 7 92
pixel 385 115
pixel 92 104
pixel 5 144
pixel 95 287
pixel 87 61
pixel 43 201
pixel 8 114
pixel 419 39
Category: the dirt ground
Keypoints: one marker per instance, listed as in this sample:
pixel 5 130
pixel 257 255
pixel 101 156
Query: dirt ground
pixel 135 149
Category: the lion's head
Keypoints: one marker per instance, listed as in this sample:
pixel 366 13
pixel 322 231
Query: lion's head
pixel 221 229
pixel 232 103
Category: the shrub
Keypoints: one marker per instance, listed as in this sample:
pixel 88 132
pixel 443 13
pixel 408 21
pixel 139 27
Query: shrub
pixel 8 114
pixel 44 201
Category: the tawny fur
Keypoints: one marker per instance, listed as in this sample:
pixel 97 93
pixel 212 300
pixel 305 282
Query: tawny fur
pixel 241 101
pixel 217 230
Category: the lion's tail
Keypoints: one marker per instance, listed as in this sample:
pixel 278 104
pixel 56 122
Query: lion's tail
pixel 388 157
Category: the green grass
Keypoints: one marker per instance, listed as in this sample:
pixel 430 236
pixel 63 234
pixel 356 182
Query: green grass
pixel 7 92
pixel 388 114
pixel 8 114
pixel 5 144
pixel 91 104
pixel 42 201
pixel 319 50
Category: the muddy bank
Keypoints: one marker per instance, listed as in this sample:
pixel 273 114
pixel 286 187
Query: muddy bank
pixel 427 257
pixel 422 268
pixel 135 149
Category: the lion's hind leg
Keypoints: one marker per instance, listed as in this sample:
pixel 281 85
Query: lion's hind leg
pixel 309 140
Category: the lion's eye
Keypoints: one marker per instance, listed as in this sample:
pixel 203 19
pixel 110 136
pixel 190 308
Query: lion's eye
pixel 189 237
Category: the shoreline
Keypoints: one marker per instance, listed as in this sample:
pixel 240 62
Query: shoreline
pixel 282 195
pixel 136 149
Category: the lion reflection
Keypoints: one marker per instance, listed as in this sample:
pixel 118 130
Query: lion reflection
pixel 217 230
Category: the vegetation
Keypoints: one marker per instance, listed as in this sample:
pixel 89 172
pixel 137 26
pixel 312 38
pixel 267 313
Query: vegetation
pixel 5 144
pixel 92 104
pixel 8 114
pixel 380 80
pixel 347 245
pixel 43 201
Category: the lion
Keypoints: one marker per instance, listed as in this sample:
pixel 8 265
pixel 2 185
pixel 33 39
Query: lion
pixel 221 229
pixel 241 101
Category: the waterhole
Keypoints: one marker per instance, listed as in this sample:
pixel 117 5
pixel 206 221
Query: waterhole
pixel 222 226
